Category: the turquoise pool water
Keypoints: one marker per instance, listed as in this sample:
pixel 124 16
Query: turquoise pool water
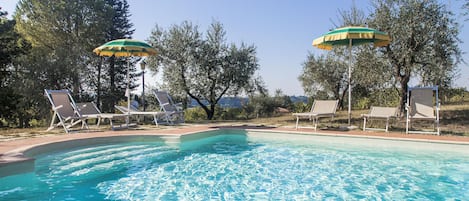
pixel 242 166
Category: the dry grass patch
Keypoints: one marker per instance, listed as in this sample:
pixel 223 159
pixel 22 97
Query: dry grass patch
pixel 454 120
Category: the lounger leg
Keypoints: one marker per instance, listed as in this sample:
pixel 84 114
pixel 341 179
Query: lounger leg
pixel 62 122
pixel 315 122
pixel 387 124
pixel 364 123
pixel 52 122
pixel 98 122
pixel 407 126
pixel 84 124
pixel 297 119
pixel 155 119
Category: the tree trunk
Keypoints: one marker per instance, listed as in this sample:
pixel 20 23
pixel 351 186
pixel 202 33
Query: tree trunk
pixel 210 114
pixel 208 111
pixel 342 98
pixel 98 86
pixel 403 93
pixel 112 84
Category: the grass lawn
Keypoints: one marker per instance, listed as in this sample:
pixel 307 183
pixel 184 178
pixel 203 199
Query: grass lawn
pixel 454 120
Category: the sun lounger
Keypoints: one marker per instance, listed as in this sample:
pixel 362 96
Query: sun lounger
pixel 135 112
pixel 320 108
pixel 383 113
pixel 173 111
pixel 89 110
pixel 422 104
pixel 65 110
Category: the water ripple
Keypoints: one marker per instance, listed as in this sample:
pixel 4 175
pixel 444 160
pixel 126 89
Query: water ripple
pixel 233 167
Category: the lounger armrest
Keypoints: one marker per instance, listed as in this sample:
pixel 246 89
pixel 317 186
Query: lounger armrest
pixel 68 118
pixel 58 107
pixel 311 114
pixel 178 106
pixel 302 114
pixel 378 116
pixel 90 116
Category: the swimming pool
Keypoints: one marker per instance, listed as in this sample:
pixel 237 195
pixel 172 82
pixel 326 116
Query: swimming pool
pixel 240 165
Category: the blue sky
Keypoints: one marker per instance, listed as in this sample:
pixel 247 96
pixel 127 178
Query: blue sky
pixel 282 30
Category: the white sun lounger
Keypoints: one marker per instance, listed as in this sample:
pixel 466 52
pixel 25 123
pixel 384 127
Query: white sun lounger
pixel 320 108
pixel 89 110
pixel 422 104
pixel 173 112
pixel 135 112
pixel 65 110
pixel 383 113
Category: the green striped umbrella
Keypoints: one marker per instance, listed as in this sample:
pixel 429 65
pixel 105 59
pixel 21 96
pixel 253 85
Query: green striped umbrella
pixel 351 36
pixel 125 48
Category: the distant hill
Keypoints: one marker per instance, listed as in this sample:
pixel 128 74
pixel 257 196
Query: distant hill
pixel 237 102
pixel 296 99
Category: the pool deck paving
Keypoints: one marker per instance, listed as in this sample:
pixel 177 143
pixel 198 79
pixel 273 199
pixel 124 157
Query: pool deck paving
pixel 11 151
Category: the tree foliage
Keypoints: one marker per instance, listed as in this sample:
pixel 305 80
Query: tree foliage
pixel 203 66
pixel 352 17
pixel 424 41
pixel 325 77
pixel 424 49
pixel 11 46
pixel 111 69
pixel 62 35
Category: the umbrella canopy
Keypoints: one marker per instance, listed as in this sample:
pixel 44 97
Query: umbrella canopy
pixel 357 35
pixel 350 36
pixel 125 48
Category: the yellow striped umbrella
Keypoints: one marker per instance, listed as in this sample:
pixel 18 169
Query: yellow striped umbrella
pixel 125 48
pixel 351 36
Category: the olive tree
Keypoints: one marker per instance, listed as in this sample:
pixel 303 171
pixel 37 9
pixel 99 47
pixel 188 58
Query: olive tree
pixel 325 75
pixel 424 42
pixel 202 66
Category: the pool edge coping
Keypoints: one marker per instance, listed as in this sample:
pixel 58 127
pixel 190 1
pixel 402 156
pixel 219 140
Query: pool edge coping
pixel 363 136
pixel 16 161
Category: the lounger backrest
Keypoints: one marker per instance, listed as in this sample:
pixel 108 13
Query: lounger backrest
pixel 421 103
pixel 165 101
pixel 61 100
pixel 88 108
pixel 383 111
pixel 324 106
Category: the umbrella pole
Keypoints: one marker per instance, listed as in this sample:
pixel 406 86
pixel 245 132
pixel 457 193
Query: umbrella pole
pixel 127 92
pixel 350 83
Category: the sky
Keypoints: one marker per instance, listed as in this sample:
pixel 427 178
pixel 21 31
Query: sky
pixel 282 30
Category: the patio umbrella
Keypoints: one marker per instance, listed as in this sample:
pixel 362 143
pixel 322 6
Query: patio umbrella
pixel 350 36
pixel 125 48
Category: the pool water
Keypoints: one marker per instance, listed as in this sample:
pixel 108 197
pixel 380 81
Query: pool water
pixel 263 166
